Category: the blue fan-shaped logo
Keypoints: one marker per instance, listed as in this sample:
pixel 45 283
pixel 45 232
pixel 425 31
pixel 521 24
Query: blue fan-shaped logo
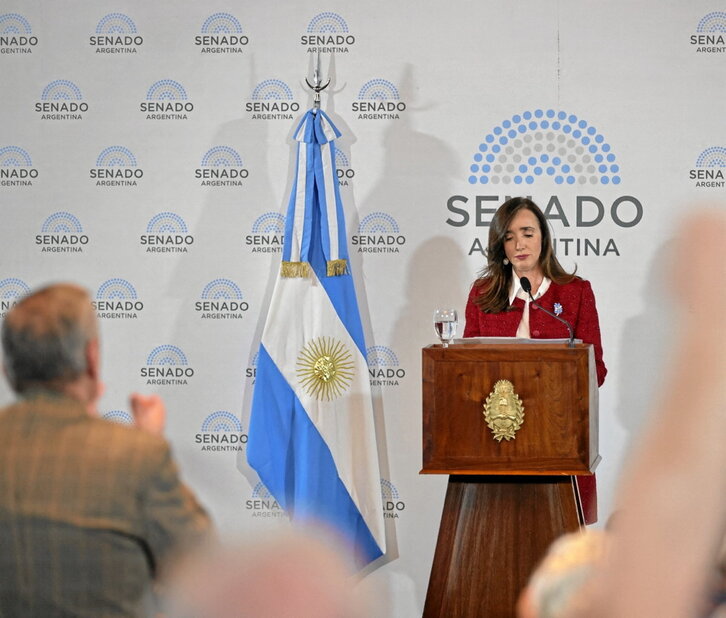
pixel 14 156
pixel 12 23
pixel 116 23
pixel 169 355
pixel 222 288
pixel 166 223
pixel 327 22
pixel 388 490
pixel 221 155
pixel 119 416
pixel 61 90
pixel 341 160
pixel 378 223
pixel 116 156
pixel 12 288
pixel 166 90
pixel 713 22
pixel 379 90
pixel 544 144
pixel 62 223
pixel 222 421
pixel 260 491
pixel 712 157
pixel 269 223
pixel 381 356
pixel 223 23
pixel 272 89
pixel 113 289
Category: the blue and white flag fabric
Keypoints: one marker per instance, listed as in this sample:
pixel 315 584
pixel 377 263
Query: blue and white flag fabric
pixel 311 437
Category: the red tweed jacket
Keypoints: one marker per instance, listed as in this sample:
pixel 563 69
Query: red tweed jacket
pixel 577 304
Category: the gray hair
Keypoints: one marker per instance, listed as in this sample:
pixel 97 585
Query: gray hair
pixel 566 570
pixel 44 337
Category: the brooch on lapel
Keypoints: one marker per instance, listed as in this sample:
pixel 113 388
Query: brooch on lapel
pixel 558 309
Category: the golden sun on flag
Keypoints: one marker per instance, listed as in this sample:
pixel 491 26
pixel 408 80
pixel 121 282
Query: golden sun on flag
pixel 325 368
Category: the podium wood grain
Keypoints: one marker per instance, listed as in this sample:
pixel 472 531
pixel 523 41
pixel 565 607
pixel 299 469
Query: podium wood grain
pixel 506 501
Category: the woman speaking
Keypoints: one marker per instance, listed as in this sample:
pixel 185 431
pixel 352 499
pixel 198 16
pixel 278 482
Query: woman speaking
pixel 520 245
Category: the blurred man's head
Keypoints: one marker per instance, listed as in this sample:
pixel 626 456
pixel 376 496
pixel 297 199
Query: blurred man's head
pixel 561 579
pixel 50 341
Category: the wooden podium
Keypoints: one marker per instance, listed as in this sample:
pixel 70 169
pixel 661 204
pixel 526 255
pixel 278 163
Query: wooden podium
pixel 506 500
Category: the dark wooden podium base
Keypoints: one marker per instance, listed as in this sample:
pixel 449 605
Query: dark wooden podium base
pixel 494 530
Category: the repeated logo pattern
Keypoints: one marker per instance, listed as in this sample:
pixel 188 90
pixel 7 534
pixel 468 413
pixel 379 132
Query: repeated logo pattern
pixel 116 23
pixel 62 223
pixel 378 223
pixel 327 22
pixel 379 90
pixel 221 155
pixel 14 156
pixel 269 223
pixel 116 289
pixel 222 288
pixel 221 23
pixel 222 421
pixel 272 89
pixel 61 90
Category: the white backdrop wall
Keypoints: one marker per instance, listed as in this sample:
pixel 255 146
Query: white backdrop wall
pixel 474 101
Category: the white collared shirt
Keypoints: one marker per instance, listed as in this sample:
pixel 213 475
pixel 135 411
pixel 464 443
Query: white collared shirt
pixel 516 291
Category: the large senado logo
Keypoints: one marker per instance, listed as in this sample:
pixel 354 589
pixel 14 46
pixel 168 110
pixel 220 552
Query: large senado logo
pixel 267 234
pixel 116 166
pixel 166 232
pixel 328 33
pixel 221 166
pixel 221 34
pixel 117 299
pixel 118 416
pixel 16 35
pixel 221 300
pixel 16 167
pixel 383 366
pixel 221 431
pixel 11 291
pixel 116 34
pixel 166 100
pixel 61 100
pixel 61 232
pixel 262 504
pixel 550 148
pixel 378 232
pixel 710 36
pixel 709 170
pixel 343 169
pixel 272 99
pixel 393 505
pixel 378 99
pixel 167 365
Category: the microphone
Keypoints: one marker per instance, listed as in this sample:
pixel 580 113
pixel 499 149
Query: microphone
pixel 527 287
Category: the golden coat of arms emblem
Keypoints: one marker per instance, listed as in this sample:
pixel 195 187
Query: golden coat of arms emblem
pixel 503 411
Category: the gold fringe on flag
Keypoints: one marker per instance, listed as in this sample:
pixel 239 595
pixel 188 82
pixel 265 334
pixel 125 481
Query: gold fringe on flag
pixel 295 269
pixel 337 268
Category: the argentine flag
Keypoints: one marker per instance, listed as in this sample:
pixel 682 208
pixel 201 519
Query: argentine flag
pixel 311 437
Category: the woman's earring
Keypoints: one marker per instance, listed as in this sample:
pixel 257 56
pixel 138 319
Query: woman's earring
pixel 506 261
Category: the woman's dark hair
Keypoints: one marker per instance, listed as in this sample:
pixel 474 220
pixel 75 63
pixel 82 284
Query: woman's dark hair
pixel 496 277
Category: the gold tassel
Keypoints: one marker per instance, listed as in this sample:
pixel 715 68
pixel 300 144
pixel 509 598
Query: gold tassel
pixel 337 268
pixel 295 269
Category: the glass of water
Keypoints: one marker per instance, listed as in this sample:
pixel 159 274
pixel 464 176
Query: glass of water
pixel 445 321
